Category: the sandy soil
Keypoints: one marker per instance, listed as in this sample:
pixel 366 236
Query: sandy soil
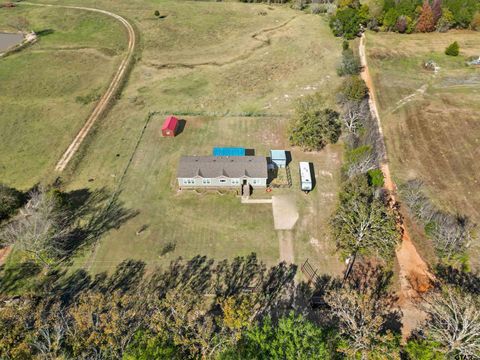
pixel 415 277
pixel 285 212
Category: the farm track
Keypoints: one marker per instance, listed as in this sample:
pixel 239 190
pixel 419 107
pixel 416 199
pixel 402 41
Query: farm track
pixel 102 105
pixel 415 277
pixel 256 36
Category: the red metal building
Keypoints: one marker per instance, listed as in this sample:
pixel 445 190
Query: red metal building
pixel 170 126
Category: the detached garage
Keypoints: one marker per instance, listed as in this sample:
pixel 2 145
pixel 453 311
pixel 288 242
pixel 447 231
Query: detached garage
pixel 170 126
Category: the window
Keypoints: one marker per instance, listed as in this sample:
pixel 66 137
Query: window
pixel 188 181
pixel 254 181
pixel 235 181
pixel 223 181
pixel 206 181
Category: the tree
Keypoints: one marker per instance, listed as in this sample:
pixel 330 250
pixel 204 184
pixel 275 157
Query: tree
pixel 353 88
pixel 453 49
pixel 426 21
pixel 10 200
pixel 363 308
pixel 40 228
pixel 437 10
pixel 293 337
pixel 350 64
pixel 359 161
pixel 423 349
pixel 361 222
pixel 346 23
pixel 314 125
pixel 353 113
pixel 454 322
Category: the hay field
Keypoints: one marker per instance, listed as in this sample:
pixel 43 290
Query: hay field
pixel 39 115
pixel 431 119
pixel 234 82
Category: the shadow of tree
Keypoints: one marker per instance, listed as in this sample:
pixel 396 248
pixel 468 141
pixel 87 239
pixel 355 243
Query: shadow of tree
pixel 91 214
pixel 14 277
pixel 469 282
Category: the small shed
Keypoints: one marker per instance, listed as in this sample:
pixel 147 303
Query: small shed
pixel 170 126
pixel 279 158
pixel 228 151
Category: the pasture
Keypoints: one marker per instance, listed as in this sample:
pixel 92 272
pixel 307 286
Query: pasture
pixel 48 89
pixel 235 83
pixel 232 71
pixel 430 119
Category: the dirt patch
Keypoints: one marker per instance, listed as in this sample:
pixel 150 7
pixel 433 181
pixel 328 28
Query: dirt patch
pixel 414 275
pixel 285 212
pixel 285 244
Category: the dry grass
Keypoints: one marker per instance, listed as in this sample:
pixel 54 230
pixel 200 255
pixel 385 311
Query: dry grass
pixel 431 120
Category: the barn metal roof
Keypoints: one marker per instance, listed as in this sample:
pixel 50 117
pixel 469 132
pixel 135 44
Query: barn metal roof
pixel 222 166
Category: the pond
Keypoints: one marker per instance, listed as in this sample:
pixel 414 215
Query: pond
pixel 7 40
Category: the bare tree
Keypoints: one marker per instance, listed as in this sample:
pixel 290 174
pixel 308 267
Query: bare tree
pixel 452 234
pixel 353 113
pixel 363 308
pixel 454 322
pixel 39 228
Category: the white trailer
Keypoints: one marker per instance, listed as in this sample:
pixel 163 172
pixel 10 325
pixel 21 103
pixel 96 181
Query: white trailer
pixel 305 176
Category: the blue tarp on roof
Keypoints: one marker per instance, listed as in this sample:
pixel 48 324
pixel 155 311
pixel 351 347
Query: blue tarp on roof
pixel 228 151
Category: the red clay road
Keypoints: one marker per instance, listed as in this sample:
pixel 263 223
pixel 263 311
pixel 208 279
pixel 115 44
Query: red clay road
pixel 116 82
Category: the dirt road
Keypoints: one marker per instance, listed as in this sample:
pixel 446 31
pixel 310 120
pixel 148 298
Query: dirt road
pixel 116 82
pixel 415 277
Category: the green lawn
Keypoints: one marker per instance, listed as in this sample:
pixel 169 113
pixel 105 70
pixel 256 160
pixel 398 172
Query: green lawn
pixel 39 114
pixel 219 61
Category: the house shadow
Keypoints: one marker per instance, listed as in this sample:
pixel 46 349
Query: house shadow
pixel 288 155
pixel 180 127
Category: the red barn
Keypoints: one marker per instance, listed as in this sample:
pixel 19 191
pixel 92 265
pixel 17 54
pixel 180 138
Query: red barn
pixel 170 126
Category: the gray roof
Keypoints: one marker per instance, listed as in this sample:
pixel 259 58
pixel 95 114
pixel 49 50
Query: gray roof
pixel 218 166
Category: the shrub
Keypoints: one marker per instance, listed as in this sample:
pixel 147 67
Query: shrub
pixel 375 178
pixel 157 13
pixel 446 21
pixel 475 24
pixel 390 19
pixel 402 24
pixel 353 89
pixel 350 64
pixel 453 49
pixel 345 45
pixel 314 125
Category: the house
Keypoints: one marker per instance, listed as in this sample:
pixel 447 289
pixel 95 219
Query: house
pixel 170 126
pixel 228 151
pixel 279 158
pixel 222 171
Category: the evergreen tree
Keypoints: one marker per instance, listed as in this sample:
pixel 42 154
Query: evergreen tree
pixel 426 21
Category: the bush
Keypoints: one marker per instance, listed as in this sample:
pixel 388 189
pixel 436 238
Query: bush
pixel 475 24
pixel 375 178
pixel 353 89
pixel 314 126
pixel 350 64
pixel 10 200
pixel 157 13
pixel 453 49
pixel 446 21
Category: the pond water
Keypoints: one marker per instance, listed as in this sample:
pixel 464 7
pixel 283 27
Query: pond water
pixel 8 40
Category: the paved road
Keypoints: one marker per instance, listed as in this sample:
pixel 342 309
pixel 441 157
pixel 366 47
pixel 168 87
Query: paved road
pixel 116 82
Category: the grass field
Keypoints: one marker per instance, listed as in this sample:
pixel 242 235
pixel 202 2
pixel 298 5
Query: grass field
pixel 248 65
pixel 39 114
pixel 233 73
pixel 431 120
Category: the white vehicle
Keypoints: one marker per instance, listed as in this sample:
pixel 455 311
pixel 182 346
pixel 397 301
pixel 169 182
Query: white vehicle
pixel 305 176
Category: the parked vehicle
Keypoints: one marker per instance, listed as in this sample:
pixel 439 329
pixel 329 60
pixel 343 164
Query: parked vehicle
pixel 305 176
